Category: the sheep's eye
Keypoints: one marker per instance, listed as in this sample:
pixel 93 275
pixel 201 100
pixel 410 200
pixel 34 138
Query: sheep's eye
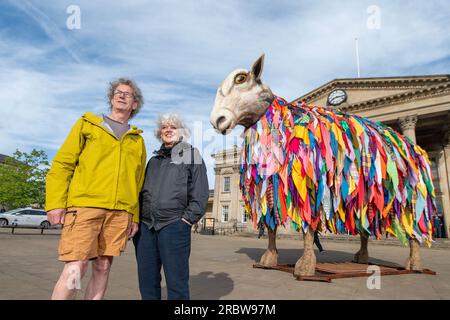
pixel 240 78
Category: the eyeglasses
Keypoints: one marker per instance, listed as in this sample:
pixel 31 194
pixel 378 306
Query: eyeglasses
pixel 125 94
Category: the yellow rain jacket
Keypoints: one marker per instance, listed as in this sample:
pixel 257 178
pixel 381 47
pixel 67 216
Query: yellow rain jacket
pixel 95 169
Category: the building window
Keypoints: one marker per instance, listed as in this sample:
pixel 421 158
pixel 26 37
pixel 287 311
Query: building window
pixel 226 184
pixel 225 213
pixel 244 215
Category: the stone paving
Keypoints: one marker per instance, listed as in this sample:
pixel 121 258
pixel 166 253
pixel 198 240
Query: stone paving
pixel 221 268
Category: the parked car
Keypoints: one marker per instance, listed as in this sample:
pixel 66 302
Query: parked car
pixel 25 217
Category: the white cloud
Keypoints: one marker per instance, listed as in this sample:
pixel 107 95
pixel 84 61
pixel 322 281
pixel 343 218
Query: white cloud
pixel 47 25
pixel 180 51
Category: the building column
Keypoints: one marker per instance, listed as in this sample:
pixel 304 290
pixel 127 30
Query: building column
pixel 445 184
pixel 408 125
pixel 235 194
pixel 234 185
pixel 443 166
pixel 216 201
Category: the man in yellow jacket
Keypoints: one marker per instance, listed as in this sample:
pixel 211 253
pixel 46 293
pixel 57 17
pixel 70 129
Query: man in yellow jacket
pixel 93 190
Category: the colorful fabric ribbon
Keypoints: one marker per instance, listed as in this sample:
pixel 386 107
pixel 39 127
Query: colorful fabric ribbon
pixel 335 171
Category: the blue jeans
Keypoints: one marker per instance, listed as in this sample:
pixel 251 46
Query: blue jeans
pixel 170 248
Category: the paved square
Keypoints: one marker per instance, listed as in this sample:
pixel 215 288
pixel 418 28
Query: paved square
pixel 221 268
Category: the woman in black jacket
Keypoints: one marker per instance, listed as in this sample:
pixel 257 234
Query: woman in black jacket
pixel 173 198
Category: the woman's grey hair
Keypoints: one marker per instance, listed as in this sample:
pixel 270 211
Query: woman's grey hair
pixel 174 119
pixel 137 93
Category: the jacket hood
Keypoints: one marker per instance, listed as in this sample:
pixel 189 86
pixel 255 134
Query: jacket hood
pixel 97 120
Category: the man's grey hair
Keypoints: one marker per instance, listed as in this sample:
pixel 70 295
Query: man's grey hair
pixel 174 119
pixel 137 94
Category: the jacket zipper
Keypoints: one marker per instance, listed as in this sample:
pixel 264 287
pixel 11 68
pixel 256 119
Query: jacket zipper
pixel 118 174
pixel 120 153
pixel 120 160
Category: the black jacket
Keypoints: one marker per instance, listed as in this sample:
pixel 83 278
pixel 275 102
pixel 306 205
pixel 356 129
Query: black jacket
pixel 174 187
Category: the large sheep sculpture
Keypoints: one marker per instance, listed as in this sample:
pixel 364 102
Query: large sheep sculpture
pixel 328 170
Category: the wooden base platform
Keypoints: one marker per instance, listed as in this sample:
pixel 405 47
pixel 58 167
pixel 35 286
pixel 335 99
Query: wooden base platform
pixel 325 272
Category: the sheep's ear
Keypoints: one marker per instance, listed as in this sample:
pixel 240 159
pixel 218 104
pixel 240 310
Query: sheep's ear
pixel 258 67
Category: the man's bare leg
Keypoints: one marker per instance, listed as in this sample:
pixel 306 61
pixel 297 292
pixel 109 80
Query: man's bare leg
pixel 99 281
pixel 70 280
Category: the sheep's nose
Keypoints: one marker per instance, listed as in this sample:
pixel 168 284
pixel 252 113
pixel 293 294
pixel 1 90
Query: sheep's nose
pixel 220 120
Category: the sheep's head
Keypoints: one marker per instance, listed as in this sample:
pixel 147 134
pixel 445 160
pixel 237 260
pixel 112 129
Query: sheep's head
pixel 242 99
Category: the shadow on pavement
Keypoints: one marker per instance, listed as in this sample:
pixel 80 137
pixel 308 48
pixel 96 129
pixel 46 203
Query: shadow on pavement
pixel 208 285
pixel 290 256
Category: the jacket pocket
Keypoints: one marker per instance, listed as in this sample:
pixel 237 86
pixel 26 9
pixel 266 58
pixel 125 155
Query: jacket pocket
pixel 66 243
pixel 69 219
pixel 172 188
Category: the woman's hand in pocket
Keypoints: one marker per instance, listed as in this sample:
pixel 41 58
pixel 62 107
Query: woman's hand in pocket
pixel 187 222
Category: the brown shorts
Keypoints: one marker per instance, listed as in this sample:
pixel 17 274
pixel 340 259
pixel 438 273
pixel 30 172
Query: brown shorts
pixel 91 232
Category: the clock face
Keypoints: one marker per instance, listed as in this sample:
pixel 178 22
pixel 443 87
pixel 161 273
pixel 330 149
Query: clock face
pixel 337 97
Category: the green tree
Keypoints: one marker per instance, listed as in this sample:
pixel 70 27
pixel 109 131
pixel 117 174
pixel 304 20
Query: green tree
pixel 22 179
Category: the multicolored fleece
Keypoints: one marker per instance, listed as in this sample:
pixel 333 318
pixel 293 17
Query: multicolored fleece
pixel 336 171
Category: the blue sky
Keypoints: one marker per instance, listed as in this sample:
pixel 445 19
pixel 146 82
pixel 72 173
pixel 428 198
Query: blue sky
pixel 180 51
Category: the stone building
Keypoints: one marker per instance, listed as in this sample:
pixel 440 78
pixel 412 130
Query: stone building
pixel 228 207
pixel 417 106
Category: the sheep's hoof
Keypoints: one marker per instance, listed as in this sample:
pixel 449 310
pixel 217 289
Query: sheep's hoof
pixel 362 256
pixel 269 259
pixel 413 263
pixel 306 265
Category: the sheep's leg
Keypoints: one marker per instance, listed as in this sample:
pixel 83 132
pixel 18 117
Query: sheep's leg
pixel 414 262
pixel 362 256
pixel 270 257
pixel 306 265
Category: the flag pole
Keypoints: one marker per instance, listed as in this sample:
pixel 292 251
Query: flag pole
pixel 357 57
